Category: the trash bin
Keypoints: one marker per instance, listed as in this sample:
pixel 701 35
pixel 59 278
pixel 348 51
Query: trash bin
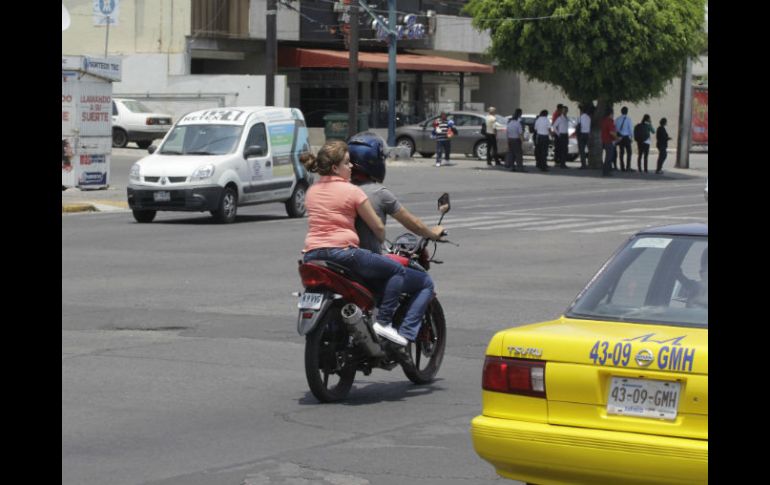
pixel 336 125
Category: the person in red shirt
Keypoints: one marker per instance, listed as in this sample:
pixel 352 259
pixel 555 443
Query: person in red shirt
pixel 609 135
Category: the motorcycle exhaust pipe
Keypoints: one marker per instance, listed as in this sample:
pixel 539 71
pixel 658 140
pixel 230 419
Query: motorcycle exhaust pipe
pixel 354 320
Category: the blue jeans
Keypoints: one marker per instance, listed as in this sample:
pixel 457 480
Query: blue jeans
pixel 442 146
pixel 369 266
pixel 420 285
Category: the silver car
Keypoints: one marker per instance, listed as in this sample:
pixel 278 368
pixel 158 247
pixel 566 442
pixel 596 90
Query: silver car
pixel 468 141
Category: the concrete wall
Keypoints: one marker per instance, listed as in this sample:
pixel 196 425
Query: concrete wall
pixel 146 77
pixel 287 21
pixel 456 34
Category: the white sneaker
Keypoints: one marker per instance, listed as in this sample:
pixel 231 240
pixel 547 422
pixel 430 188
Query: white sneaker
pixel 438 164
pixel 389 333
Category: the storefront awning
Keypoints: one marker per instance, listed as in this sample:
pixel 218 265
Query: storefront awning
pixel 324 58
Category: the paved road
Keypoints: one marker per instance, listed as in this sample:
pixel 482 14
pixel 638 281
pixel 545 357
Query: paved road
pixel 180 358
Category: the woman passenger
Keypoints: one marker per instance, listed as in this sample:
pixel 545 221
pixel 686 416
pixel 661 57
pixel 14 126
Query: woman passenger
pixel 332 206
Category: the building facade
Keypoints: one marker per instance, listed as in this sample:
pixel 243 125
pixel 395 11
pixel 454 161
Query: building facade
pixel 180 55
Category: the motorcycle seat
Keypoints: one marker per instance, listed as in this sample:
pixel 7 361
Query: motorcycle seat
pixel 341 270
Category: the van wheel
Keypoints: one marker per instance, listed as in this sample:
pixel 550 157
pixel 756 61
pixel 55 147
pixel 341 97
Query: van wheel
pixel 144 216
pixel 295 206
pixel 119 138
pixel 228 206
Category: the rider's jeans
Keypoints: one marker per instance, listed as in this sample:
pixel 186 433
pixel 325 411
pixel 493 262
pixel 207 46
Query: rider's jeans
pixel 369 266
pixel 419 284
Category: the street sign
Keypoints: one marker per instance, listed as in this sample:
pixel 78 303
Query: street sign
pixel 106 12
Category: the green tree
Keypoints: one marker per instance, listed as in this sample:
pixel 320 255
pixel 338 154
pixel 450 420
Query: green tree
pixel 599 52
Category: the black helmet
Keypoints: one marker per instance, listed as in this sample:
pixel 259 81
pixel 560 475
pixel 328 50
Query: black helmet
pixel 367 154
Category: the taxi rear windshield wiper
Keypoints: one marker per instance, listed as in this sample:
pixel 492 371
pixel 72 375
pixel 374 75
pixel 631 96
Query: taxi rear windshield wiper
pixel 170 152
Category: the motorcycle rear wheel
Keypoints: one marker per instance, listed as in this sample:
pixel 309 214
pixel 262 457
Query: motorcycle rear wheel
pixel 427 351
pixel 329 374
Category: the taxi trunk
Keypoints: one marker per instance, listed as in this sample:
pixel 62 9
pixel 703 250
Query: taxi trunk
pixel 577 401
pixel 623 377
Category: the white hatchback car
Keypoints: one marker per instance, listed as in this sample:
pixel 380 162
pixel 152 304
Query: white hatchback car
pixel 132 121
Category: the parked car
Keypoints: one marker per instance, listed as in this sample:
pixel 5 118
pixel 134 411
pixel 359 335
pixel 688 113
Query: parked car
pixel 132 121
pixel 469 140
pixel 528 147
pixel 616 389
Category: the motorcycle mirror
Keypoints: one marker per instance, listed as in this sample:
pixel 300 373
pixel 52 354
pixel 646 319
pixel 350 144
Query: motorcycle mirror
pixel 443 203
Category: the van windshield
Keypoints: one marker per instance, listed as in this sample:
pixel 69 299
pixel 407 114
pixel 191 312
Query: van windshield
pixel 206 139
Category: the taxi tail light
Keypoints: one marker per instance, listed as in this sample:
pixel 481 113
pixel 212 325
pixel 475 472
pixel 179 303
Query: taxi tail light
pixel 514 376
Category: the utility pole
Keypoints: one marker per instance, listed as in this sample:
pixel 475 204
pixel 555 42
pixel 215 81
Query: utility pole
pixel 271 47
pixel 353 79
pixel 685 118
pixel 392 74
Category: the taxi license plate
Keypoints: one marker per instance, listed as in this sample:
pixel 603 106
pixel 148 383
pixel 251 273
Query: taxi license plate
pixel 161 196
pixel 310 301
pixel 645 398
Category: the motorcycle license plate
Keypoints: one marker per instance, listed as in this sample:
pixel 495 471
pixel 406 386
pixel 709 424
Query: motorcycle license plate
pixel 310 301
pixel 161 196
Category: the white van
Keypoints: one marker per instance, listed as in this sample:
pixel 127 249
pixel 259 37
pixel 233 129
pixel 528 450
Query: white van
pixel 220 159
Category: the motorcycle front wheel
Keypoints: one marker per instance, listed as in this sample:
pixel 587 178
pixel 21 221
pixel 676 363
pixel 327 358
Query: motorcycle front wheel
pixel 427 351
pixel 329 374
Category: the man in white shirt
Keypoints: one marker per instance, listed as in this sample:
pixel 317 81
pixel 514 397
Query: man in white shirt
pixel 584 134
pixel 542 139
pixel 561 129
pixel 514 132
pixel 491 136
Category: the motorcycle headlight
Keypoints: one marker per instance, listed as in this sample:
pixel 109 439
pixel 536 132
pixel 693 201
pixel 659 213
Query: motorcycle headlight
pixel 133 174
pixel 203 172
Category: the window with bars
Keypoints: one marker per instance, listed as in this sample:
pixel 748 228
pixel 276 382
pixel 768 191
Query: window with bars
pixel 220 18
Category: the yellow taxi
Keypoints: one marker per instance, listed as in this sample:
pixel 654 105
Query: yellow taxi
pixel 616 389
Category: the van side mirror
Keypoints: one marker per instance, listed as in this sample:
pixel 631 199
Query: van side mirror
pixel 254 151
pixel 443 203
pixel 151 149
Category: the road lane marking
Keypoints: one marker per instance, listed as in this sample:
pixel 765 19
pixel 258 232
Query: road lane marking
pixel 576 224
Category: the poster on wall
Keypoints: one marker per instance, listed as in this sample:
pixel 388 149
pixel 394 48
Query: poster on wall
pixel 700 116
pixel 68 161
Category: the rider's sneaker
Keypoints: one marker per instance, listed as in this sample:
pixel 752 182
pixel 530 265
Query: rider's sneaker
pixel 389 333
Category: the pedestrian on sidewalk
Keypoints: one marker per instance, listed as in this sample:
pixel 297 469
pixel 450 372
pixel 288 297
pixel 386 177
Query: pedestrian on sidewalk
pixel 662 138
pixel 561 130
pixel 514 132
pixel 623 128
pixel 584 133
pixel 491 136
pixel 643 147
pixel 542 139
pixel 609 136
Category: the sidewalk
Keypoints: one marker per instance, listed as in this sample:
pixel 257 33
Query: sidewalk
pixel 111 199
pixel 114 198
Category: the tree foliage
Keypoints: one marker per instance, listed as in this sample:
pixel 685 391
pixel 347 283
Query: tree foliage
pixel 610 50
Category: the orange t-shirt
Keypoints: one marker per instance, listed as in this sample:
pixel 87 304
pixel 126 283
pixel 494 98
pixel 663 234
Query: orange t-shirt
pixel 332 205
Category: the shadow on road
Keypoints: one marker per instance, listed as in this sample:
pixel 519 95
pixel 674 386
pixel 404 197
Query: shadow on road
pixel 363 394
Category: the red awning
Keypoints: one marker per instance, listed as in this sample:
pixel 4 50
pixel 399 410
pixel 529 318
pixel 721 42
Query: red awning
pixel 297 57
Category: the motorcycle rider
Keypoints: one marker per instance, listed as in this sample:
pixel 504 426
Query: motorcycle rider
pixel 332 206
pixel 368 158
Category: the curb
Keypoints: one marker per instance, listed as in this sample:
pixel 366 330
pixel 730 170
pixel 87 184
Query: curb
pixel 95 206
pixel 69 208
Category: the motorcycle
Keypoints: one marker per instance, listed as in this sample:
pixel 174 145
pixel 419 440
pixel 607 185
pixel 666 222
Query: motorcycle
pixel 336 318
